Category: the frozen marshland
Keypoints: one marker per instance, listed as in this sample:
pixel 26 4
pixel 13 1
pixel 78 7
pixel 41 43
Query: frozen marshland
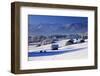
pixel 74 51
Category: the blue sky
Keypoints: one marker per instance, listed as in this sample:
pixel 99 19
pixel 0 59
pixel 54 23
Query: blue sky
pixel 49 25
pixel 37 19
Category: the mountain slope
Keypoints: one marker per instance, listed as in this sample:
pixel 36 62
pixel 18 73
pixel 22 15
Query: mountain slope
pixel 54 28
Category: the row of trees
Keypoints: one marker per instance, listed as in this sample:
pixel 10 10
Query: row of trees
pixel 40 38
pixel 43 40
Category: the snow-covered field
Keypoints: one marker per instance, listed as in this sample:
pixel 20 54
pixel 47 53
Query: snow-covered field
pixel 75 51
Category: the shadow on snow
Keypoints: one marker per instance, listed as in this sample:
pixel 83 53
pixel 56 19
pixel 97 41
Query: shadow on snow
pixel 50 53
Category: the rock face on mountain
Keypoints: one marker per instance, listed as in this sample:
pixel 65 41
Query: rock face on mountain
pixel 55 28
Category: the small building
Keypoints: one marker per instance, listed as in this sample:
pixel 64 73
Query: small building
pixel 55 44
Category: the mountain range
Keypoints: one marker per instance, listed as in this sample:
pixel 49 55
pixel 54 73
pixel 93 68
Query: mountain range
pixel 57 28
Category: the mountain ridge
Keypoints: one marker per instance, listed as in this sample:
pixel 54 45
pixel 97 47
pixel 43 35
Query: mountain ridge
pixel 56 28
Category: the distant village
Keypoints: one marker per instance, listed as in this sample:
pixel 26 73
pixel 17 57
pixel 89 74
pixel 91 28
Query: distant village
pixel 44 40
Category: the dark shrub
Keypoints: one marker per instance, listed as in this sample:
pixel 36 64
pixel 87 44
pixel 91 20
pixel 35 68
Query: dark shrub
pixel 54 47
pixel 44 50
pixel 38 45
pixel 81 41
pixel 41 51
pixel 71 41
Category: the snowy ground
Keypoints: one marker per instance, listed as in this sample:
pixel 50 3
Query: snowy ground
pixel 46 47
pixel 75 51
